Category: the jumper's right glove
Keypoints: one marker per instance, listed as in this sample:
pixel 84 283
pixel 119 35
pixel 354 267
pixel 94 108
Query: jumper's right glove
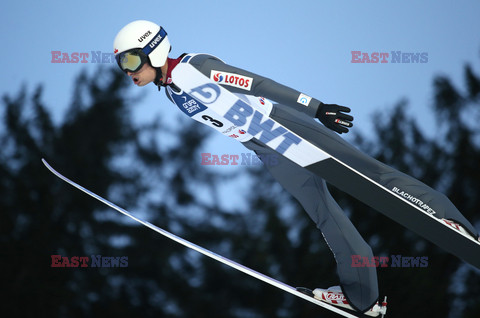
pixel 333 117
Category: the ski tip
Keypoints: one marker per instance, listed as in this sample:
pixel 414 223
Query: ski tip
pixel 45 163
pixel 49 167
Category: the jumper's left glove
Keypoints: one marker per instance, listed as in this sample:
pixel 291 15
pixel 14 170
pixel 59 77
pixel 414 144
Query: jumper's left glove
pixel 333 117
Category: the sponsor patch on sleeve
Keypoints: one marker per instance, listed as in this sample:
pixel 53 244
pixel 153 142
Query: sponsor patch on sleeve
pixel 304 99
pixel 231 79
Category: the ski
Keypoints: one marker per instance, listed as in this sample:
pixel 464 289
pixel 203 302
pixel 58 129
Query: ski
pixel 206 252
pixel 247 118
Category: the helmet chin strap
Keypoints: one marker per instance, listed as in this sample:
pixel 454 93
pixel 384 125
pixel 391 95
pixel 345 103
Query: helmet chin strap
pixel 158 78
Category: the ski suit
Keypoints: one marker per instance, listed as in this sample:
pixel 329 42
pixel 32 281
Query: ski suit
pixel 297 111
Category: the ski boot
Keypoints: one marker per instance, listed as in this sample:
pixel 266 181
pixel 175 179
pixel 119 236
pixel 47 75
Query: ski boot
pixel 459 228
pixel 335 296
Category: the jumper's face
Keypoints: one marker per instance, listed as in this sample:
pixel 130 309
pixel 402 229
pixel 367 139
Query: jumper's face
pixel 143 76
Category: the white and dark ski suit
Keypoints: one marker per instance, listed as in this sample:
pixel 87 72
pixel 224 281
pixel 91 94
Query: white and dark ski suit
pixel 297 112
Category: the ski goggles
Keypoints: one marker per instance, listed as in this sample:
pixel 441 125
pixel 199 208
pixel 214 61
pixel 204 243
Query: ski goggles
pixel 133 60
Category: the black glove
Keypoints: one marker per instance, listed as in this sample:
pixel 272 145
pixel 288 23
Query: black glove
pixel 332 117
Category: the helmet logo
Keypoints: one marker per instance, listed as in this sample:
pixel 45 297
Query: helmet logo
pixel 143 37
pixel 155 41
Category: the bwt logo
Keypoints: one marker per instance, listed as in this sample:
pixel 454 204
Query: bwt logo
pixel 392 261
pixel 85 261
pixel 240 112
pixel 395 57
pixel 209 159
pixel 82 57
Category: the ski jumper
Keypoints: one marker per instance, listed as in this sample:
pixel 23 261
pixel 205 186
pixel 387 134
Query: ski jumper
pixel 297 111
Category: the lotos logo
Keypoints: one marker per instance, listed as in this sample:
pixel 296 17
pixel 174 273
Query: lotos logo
pixel 231 79
pixel 143 37
pixel 218 77
pixel 242 132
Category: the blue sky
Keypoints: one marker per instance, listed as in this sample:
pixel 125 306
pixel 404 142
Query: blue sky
pixel 306 45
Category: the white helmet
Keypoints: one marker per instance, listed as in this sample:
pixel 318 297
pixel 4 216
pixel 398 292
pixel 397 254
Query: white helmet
pixel 145 37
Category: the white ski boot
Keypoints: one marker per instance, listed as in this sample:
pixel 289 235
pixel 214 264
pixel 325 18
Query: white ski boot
pixel 459 228
pixel 335 296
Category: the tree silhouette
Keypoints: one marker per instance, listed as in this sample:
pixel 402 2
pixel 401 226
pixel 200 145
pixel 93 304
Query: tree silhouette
pixel 155 172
